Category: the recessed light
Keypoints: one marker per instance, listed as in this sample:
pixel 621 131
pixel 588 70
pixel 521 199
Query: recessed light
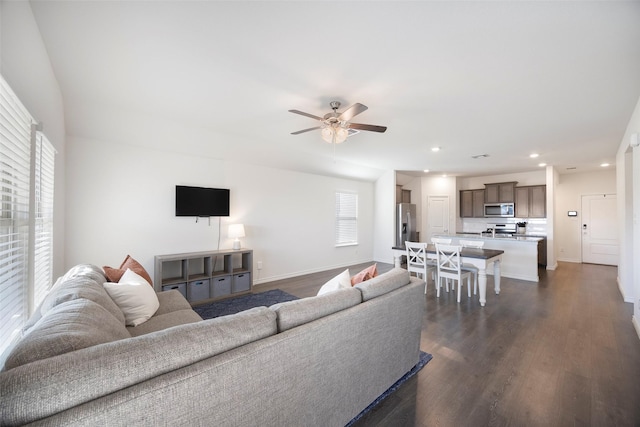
pixel 435 149
pixel 542 165
pixel 604 165
pixel 426 171
pixel 534 155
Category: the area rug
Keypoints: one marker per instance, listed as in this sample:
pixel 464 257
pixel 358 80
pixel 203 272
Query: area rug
pixel 241 303
pixel 424 359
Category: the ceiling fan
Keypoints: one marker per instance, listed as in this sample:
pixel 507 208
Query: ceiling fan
pixel 335 126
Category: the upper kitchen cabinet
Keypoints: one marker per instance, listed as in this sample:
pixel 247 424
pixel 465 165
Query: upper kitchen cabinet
pixel 402 196
pixel 502 192
pixel 472 203
pixel 531 201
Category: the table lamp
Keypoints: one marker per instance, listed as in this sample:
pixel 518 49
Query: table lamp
pixel 235 232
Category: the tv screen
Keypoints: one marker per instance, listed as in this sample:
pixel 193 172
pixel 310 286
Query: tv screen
pixel 200 201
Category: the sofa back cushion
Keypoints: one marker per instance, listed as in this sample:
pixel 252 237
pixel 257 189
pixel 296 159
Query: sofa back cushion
pixel 384 283
pixel 298 312
pixel 78 287
pixel 69 326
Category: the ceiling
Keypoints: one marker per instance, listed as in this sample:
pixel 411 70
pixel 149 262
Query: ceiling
pixel 504 79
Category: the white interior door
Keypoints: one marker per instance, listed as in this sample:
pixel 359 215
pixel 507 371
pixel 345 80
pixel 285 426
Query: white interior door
pixel 437 216
pixel 599 229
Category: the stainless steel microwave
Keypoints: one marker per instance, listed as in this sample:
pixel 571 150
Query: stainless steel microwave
pixel 499 210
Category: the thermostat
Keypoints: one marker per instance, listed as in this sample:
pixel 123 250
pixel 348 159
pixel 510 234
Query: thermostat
pixel 572 213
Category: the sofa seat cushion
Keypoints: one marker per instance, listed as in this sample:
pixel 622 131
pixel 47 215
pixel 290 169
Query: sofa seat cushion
pixel 384 283
pixel 171 301
pixel 164 321
pixel 305 310
pixel 69 326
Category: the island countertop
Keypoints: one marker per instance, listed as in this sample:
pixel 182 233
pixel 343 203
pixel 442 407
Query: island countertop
pixel 514 238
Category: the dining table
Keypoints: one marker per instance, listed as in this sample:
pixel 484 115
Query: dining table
pixel 478 257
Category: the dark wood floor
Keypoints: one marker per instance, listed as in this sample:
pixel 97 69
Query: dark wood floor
pixel 561 352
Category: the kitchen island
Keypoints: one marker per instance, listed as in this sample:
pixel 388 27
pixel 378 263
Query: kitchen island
pixel 520 258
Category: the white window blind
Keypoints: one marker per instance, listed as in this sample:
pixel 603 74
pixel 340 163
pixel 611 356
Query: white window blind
pixel 42 209
pixel 346 218
pixel 15 164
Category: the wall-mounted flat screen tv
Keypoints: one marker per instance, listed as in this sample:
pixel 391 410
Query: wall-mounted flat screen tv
pixel 200 201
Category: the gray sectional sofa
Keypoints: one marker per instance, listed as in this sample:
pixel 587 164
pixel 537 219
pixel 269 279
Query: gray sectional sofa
pixel 316 361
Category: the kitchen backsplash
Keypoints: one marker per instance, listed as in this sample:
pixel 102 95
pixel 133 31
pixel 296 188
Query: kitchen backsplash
pixel 535 226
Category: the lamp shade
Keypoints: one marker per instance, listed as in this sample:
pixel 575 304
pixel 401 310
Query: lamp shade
pixel 236 230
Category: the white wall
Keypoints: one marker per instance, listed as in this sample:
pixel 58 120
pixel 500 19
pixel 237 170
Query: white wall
pixel 25 65
pixel 569 191
pixel 384 217
pixel 121 201
pixel 628 198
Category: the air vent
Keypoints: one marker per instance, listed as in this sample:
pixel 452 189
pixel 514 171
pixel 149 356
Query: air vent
pixel 352 132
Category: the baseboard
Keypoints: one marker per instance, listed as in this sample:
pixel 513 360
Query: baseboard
pixel 636 324
pixel 573 260
pixel 552 266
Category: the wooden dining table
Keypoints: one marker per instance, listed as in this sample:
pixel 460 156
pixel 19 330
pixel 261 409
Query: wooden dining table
pixel 480 258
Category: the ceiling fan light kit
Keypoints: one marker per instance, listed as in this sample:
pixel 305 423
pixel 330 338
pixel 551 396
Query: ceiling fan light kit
pixel 336 127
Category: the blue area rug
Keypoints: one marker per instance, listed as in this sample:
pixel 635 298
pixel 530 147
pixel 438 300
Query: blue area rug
pixel 424 359
pixel 244 302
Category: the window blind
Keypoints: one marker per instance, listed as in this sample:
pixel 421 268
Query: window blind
pixel 15 164
pixel 346 218
pixel 42 209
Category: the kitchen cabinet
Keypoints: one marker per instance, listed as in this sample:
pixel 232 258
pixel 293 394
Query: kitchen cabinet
pixel 402 196
pixel 531 201
pixel 501 192
pixel 542 252
pixel 472 203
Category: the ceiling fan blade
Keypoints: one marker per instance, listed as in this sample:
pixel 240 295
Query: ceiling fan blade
pixel 302 113
pixel 304 130
pixel 352 111
pixel 372 128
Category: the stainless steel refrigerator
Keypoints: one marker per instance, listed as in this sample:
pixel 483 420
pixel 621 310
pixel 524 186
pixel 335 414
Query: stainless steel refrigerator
pixel 406 223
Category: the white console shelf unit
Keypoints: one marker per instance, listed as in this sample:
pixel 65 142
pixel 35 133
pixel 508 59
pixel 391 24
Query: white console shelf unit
pixel 205 276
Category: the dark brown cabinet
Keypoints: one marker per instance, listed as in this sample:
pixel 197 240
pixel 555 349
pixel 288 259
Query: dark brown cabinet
pixel 402 196
pixel 531 201
pixel 472 203
pixel 502 192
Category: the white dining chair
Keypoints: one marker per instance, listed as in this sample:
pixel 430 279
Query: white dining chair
pixel 450 267
pixel 444 241
pixel 417 262
pixel 478 244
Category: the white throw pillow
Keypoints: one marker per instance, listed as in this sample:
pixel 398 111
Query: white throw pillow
pixel 342 280
pixel 137 300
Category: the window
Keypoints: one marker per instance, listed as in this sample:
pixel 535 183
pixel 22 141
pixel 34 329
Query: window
pixel 346 219
pixel 26 218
